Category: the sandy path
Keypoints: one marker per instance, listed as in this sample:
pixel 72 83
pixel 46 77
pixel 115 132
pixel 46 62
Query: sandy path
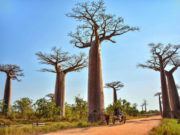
pixel 133 127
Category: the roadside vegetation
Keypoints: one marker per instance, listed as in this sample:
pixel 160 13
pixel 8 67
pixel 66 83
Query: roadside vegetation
pixel 24 112
pixel 167 127
pixel 26 129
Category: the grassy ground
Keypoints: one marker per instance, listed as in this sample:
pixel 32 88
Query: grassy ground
pixel 28 129
pixel 167 127
pixel 21 127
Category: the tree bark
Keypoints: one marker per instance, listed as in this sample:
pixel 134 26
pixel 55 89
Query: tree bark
pixel 7 96
pixel 160 107
pixel 95 85
pixel 60 92
pixel 173 95
pixel 165 96
pixel 115 95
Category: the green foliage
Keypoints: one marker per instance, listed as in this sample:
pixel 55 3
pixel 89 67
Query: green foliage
pixel 27 129
pixel 68 111
pixel 77 111
pixel 81 124
pixel 133 110
pixel 23 107
pixel 80 107
pixel 125 106
pixel 153 111
pixel 46 109
pixel 167 127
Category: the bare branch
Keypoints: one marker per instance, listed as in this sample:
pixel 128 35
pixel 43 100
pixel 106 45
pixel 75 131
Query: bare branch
pixel 96 24
pixel 157 94
pixel 13 71
pixel 150 65
pixel 76 63
pixel 78 40
pixel 61 61
pixel 168 54
pixel 56 57
pixel 115 85
pixel 175 62
pixel 48 70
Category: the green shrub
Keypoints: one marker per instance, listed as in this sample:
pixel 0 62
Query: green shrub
pixel 167 127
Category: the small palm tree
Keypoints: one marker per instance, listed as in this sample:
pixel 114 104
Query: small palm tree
pixel 115 86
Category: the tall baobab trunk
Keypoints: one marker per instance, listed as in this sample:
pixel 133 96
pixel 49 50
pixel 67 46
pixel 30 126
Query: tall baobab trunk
pixel 95 85
pixel 115 95
pixel 60 92
pixel 173 95
pixel 7 96
pixel 160 107
pixel 165 96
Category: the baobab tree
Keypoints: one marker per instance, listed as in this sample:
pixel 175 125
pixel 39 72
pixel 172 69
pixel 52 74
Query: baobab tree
pixel 160 106
pixel 51 96
pixel 115 86
pixel 62 64
pixel 12 73
pixel 173 92
pixel 161 56
pixel 145 105
pixel 142 105
pixel 172 88
pixel 96 27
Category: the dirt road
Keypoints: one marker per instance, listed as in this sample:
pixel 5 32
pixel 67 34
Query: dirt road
pixel 132 127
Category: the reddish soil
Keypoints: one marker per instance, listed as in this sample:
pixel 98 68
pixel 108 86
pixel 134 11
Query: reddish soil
pixel 132 127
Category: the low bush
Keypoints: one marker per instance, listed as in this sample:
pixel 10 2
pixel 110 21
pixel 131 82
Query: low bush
pixel 167 127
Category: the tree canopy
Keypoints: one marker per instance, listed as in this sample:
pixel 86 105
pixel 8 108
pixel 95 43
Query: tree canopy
pixel 96 24
pixel 62 61
pixel 169 54
pixel 115 85
pixel 13 71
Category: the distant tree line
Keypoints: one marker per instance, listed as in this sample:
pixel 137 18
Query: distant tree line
pixel 45 109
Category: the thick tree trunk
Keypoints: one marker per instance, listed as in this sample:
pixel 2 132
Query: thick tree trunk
pixel 173 95
pixel 95 85
pixel 7 96
pixel 160 107
pixel 165 96
pixel 115 95
pixel 60 92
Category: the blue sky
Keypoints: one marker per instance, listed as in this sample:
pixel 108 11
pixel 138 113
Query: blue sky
pixel 29 26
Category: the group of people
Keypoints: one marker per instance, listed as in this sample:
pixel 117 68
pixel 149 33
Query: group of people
pixel 118 112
